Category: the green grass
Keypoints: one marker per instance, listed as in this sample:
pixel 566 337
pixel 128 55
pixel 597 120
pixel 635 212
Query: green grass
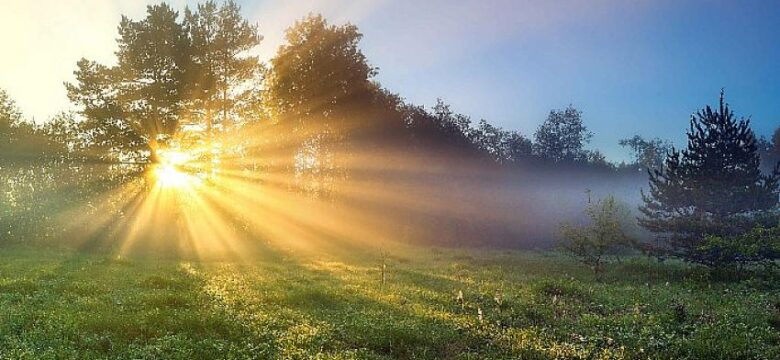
pixel 64 304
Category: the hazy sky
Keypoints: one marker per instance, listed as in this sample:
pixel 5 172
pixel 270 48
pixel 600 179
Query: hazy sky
pixel 630 66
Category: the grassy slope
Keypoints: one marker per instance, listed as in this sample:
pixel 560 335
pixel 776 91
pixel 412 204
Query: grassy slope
pixel 64 305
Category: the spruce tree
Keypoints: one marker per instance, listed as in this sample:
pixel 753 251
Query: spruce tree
pixel 713 187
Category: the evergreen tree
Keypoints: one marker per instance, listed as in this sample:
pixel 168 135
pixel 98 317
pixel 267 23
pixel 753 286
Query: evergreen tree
pixel 713 187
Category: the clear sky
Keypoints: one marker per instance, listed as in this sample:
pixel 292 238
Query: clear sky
pixel 632 67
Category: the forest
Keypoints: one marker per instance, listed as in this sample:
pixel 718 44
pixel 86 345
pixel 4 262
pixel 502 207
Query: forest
pixel 197 202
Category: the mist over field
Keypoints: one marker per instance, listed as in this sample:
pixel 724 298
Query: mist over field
pixel 389 180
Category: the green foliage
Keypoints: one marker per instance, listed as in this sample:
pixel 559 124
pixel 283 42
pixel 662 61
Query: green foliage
pixel 714 187
pixel 502 145
pixel 562 136
pixel 319 71
pixel 757 246
pixel 649 154
pixel 169 73
pixel 606 234
pixel 222 76
pixel 67 305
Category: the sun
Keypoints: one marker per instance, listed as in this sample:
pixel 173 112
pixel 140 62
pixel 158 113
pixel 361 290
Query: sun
pixel 169 176
pixel 169 173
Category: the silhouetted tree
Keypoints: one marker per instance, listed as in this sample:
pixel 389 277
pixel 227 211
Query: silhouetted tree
pixel 597 159
pixel 134 108
pixel 516 146
pixel 776 142
pixel 318 73
pixel 168 73
pixel 648 154
pixel 562 136
pixel 9 117
pixel 770 151
pixel 440 128
pixel 20 140
pixel 221 73
pixel 713 187
pixel 501 145
pixel 320 94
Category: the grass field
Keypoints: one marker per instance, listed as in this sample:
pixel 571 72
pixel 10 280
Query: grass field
pixel 515 305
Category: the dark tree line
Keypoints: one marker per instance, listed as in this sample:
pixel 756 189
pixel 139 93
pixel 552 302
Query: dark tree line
pixel 315 112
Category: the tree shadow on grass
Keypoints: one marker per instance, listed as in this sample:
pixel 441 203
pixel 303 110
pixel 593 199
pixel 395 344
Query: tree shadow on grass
pixel 335 307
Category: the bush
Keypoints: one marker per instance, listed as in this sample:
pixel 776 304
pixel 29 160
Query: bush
pixel 605 235
pixel 759 246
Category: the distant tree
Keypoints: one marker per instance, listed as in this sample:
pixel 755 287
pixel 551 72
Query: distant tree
pixel 598 159
pixel 562 136
pixel 9 117
pixel 606 234
pixel 29 175
pixel 446 118
pixel 648 154
pixel 444 128
pixel 770 151
pixel 489 138
pixel 776 142
pixel 65 129
pixel 20 140
pixel 501 145
pixel 713 187
pixel 440 128
pixel 516 146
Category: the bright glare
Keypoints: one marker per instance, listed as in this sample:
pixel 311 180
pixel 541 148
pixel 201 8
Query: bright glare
pixel 170 176
pixel 173 157
pixel 168 172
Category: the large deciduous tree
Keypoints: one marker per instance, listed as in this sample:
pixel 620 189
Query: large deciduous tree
pixel 320 94
pixel 133 108
pixel 168 72
pixel 318 78
pixel 713 187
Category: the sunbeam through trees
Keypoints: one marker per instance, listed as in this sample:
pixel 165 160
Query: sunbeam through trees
pixel 204 197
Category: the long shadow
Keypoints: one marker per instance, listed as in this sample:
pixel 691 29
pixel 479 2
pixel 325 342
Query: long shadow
pixel 314 310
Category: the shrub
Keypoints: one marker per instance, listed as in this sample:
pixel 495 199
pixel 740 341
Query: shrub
pixel 759 246
pixel 604 236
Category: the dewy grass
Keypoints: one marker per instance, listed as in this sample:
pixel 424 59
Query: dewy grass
pixel 531 306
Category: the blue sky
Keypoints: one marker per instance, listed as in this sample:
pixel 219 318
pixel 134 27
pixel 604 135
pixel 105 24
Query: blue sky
pixel 632 67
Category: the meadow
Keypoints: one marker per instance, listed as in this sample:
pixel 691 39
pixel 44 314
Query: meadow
pixel 434 303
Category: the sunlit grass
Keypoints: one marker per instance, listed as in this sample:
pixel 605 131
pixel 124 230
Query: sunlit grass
pixel 328 306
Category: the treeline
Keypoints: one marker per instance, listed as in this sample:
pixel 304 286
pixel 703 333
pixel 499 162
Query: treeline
pixel 312 122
